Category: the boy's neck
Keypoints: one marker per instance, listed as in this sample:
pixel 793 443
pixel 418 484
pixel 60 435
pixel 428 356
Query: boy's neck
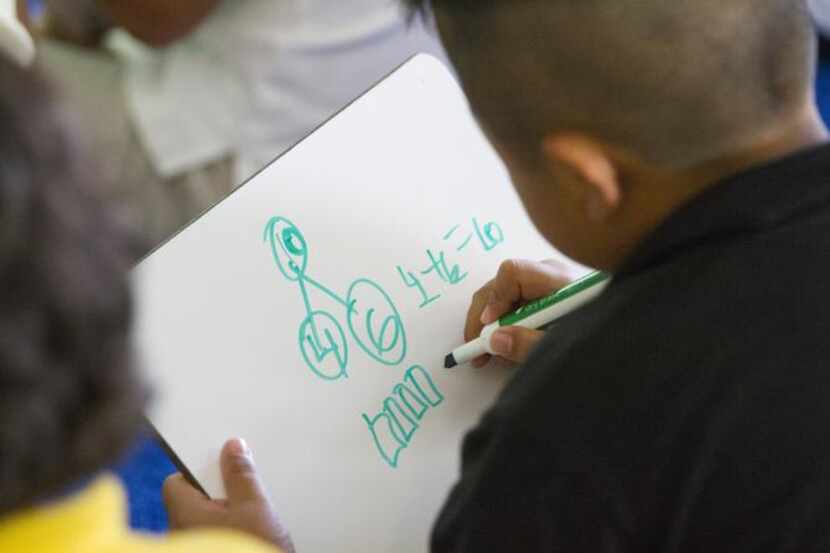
pixel 662 193
pixel 802 132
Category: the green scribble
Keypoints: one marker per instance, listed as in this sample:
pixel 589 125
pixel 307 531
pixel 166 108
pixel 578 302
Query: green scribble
pixel 465 243
pixel 322 340
pixel 439 265
pixel 321 349
pixel 391 457
pixel 328 292
pixel 425 385
pixel 277 229
pixel 404 422
pixel 379 332
pixel 402 412
pixel 491 235
pixel 408 396
pixel 290 237
pixel 378 342
pixel 451 232
pixel 412 281
pixel 384 342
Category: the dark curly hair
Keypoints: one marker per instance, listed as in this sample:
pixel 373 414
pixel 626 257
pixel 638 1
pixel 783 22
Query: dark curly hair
pixel 70 401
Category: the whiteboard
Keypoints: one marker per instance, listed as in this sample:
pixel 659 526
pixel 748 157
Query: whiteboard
pixel 310 313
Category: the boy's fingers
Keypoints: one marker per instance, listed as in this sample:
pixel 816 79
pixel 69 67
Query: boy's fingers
pixel 473 326
pixel 241 481
pixel 505 291
pixel 519 280
pixel 515 343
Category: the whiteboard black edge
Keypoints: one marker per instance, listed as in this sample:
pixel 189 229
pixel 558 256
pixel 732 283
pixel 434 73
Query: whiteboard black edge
pixel 288 150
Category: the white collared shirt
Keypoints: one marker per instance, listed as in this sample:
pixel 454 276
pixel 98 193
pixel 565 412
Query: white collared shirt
pixel 258 75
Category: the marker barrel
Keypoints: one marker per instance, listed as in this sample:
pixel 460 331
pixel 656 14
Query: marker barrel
pixel 469 351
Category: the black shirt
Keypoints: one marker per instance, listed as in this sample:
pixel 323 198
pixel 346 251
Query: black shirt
pixel 685 410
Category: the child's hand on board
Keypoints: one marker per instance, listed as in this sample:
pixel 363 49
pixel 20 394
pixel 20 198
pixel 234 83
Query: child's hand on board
pixel 246 509
pixel 517 282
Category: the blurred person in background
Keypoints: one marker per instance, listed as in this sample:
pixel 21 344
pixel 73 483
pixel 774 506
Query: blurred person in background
pixel 821 14
pixel 185 100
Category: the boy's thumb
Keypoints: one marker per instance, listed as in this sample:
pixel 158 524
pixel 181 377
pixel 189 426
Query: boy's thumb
pixel 515 343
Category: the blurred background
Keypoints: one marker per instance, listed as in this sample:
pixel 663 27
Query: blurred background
pixel 183 101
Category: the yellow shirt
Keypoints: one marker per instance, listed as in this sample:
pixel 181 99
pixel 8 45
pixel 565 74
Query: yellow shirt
pixel 95 522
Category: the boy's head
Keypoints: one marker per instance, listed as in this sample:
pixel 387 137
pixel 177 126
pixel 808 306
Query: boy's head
pixel 69 400
pixel 588 100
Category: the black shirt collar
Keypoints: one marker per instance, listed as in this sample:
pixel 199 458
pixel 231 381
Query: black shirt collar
pixel 760 197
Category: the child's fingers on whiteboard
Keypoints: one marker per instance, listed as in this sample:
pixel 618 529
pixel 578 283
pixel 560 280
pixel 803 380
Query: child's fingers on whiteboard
pixel 241 480
pixel 480 362
pixel 249 507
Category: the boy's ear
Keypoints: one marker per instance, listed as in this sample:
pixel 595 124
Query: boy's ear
pixel 599 189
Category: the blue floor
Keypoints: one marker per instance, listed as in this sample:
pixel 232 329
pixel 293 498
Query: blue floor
pixel 823 89
pixel 148 466
pixel 143 473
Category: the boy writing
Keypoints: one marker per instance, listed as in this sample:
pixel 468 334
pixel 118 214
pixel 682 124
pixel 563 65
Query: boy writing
pixel 677 146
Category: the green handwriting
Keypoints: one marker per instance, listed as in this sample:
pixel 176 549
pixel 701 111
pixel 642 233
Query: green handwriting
pixel 372 318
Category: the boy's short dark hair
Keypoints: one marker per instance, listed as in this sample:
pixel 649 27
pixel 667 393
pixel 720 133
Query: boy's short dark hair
pixel 69 399
pixel 680 82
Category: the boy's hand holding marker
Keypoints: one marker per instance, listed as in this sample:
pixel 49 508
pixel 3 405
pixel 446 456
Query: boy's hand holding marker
pixel 517 283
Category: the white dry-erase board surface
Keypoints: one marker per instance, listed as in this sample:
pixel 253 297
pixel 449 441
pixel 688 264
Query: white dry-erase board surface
pixel 311 310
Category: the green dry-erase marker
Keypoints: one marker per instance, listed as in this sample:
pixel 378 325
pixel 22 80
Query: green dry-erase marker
pixel 535 314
